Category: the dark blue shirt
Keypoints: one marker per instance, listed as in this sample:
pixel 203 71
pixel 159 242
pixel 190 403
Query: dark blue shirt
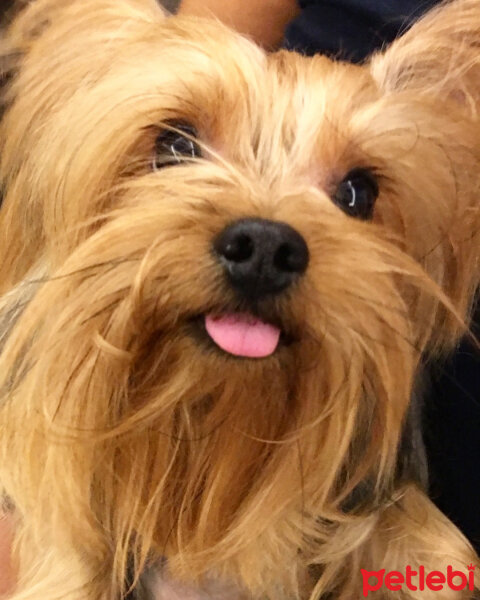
pixel 351 29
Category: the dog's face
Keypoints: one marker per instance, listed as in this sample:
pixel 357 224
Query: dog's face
pixel 223 268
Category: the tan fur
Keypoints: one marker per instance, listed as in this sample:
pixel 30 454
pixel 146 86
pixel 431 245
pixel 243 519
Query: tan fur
pixel 122 438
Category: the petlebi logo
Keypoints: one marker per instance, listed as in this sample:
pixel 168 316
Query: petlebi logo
pixel 418 579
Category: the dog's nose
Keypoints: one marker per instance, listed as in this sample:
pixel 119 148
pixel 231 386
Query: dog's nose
pixel 261 257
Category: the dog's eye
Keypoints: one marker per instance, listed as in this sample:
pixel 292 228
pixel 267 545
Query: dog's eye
pixel 357 193
pixel 175 144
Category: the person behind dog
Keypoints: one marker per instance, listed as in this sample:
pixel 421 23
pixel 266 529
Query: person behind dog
pixel 346 29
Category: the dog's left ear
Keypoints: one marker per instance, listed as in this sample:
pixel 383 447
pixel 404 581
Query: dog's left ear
pixel 440 54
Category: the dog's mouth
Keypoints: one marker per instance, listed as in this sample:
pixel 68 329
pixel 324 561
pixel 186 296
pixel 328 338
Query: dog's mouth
pixel 243 334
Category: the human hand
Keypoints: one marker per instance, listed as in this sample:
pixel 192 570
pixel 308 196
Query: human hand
pixel 6 569
pixel 263 21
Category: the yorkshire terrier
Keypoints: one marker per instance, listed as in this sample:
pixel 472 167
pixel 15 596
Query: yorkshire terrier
pixel 222 273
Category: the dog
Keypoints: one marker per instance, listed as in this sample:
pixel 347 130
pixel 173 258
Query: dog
pixel 223 273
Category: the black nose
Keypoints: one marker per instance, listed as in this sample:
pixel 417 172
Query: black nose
pixel 261 257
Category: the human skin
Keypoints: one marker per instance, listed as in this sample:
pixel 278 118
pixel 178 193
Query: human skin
pixel 6 570
pixel 264 21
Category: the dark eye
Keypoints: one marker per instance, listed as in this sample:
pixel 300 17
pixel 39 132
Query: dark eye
pixel 175 144
pixel 357 193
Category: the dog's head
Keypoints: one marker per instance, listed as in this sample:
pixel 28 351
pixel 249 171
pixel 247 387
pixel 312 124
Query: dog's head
pixel 221 269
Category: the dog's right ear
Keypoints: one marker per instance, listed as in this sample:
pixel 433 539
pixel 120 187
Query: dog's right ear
pixel 13 46
pixel 9 62
pixel 9 54
pixel 18 27
pixel 439 55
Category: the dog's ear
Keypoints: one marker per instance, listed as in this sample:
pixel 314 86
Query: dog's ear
pixel 440 54
pixel 9 56
pixel 9 59
pixel 8 64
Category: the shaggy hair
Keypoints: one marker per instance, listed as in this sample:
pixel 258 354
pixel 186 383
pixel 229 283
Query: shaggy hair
pixel 127 442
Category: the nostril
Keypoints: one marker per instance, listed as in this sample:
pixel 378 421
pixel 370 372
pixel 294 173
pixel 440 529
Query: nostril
pixel 285 260
pixel 292 256
pixel 239 248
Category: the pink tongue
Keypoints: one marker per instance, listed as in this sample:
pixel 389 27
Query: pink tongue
pixel 243 335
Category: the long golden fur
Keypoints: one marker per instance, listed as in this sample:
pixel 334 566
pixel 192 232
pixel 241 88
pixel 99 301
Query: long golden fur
pixel 124 439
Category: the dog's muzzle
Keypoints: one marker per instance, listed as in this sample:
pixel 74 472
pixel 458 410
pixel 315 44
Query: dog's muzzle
pixel 261 257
